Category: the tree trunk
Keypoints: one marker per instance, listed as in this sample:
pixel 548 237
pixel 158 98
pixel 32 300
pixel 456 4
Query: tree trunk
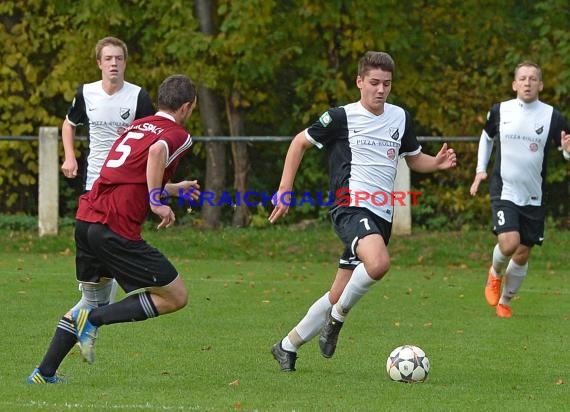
pixel 241 217
pixel 215 179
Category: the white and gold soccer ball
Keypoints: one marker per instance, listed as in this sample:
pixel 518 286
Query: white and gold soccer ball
pixel 408 363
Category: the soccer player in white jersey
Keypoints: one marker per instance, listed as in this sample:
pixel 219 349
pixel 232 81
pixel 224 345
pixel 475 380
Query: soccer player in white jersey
pixel 363 141
pixel 523 128
pixel 107 107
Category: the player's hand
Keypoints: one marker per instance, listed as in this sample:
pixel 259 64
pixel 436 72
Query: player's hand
pixel 281 203
pixel 479 177
pixel 565 140
pixel 183 187
pixel 165 214
pixel 69 168
pixel 446 158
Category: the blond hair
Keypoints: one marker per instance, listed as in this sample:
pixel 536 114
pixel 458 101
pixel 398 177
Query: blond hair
pixel 110 41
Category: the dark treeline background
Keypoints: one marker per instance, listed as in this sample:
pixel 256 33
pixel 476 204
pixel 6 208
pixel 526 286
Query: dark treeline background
pixel 268 68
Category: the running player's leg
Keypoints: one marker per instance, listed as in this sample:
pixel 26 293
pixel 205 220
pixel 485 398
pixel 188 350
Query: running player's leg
pixel 137 266
pixel 65 337
pixel 368 236
pixel 531 234
pixel 506 219
pixel 285 351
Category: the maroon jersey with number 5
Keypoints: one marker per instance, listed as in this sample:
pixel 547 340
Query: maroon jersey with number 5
pixel 120 196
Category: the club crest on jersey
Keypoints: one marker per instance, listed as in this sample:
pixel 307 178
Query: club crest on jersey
pixel 533 147
pixel 125 113
pixel 538 128
pixel 325 119
pixel 394 133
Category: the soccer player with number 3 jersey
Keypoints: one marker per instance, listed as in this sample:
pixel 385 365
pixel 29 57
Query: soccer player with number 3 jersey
pixel 524 129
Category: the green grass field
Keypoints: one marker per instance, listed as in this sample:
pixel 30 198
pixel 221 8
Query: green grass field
pixel 250 287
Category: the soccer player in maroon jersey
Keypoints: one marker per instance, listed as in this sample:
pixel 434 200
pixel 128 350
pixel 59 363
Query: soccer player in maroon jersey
pixel 108 228
pixel 106 107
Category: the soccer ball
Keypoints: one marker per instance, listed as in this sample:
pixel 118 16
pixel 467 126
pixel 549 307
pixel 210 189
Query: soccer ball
pixel 407 363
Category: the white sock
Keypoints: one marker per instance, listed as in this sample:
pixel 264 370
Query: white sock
pixel 357 286
pixel 114 289
pixel 287 345
pixel 499 261
pixel 514 275
pixel 309 326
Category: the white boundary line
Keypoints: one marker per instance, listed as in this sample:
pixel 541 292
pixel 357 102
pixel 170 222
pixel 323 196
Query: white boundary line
pixel 92 406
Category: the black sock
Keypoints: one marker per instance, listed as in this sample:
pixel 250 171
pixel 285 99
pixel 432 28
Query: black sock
pixel 62 342
pixel 131 309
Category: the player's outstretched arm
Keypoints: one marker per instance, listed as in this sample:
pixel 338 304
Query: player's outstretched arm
pixel 445 159
pixel 183 187
pixel 281 201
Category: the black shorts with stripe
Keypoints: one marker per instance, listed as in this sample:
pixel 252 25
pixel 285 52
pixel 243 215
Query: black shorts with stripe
pixel 353 223
pixel 527 220
pixel 101 253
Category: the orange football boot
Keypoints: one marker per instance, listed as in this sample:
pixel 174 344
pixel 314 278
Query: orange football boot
pixel 504 311
pixel 493 288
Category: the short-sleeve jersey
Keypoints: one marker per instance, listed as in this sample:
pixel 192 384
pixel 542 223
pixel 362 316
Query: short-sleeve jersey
pixel 524 133
pixel 363 151
pixel 120 196
pixel 107 116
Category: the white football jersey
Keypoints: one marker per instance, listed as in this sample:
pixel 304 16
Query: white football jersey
pixel 107 117
pixel 363 151
pixel 524 133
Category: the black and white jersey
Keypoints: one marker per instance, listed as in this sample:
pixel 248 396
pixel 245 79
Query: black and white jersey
pixel 363 151
pixel 107 117
pixel 524 133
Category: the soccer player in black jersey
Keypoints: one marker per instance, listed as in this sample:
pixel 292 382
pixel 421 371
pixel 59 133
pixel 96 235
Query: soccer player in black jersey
pixel 363 141
pixel 523 128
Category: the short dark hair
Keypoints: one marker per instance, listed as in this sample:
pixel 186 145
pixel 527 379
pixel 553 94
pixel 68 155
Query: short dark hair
pixel 375 60
pixel 528 63
pixel 110 41
pixel 174 91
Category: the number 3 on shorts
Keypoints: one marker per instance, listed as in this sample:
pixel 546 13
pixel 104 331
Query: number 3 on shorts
pixel 500 218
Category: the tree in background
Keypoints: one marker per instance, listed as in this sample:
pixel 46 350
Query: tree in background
pixel 267 67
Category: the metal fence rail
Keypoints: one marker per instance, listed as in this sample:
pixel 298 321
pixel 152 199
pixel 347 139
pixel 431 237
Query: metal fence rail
pixel 264 138
pixel 48 196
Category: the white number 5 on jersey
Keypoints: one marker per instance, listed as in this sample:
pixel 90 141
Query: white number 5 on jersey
pixel 124 148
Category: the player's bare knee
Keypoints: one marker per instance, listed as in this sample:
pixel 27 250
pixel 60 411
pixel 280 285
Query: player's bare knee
pixel 377 269
pixel 181 303
pixel 180 299
pixel 508 248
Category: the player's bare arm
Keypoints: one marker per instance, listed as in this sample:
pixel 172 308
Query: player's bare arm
pixel 445 159
pixel 185 186
pixel 69 166
pixel 479 177
pixel 293 159
pixel 154 175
